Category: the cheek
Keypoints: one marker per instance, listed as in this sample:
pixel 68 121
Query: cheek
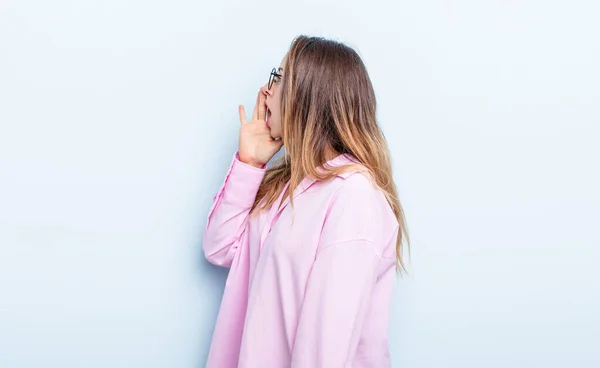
pixel 275 124
pixel 277 102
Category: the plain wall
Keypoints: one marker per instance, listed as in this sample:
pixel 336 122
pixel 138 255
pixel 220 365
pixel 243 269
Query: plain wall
pixel 118 120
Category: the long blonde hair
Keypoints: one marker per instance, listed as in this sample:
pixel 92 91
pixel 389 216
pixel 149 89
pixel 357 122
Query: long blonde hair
pixel 328 104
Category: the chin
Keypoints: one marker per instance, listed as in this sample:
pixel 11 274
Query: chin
pixel 275 133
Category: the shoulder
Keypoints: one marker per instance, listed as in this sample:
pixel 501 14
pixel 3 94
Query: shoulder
pixel 359 210
pixel 356 182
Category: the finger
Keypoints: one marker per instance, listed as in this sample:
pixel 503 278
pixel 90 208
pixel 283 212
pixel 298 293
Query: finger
pixel 262 108
pixel 255 112
pixel 242 112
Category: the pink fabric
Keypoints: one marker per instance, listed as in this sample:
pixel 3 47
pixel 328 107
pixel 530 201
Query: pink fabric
pixel 311 291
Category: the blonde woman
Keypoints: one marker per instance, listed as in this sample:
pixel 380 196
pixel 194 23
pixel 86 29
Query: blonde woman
pixel 313 242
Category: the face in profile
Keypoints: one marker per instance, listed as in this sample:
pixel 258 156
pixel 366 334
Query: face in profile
pixel 273 102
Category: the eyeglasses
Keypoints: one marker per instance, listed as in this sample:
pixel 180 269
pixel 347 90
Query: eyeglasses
pixel 272 76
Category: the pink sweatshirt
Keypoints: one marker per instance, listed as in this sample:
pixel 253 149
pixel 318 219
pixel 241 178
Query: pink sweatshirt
pixel 315 293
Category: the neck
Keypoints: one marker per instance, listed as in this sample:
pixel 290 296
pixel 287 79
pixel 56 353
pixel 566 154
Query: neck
pixel 330 154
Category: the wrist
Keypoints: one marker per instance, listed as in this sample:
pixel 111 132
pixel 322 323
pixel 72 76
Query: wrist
pixel 255 164
pixel 250 162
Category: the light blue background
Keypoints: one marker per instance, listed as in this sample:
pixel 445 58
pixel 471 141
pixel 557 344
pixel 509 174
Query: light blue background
pixel 118 120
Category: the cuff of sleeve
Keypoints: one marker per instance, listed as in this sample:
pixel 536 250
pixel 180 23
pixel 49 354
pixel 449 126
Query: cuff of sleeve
pixel 236 159
pixel 242 182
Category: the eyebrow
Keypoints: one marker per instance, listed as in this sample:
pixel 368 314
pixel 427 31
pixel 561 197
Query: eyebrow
pixel 280 69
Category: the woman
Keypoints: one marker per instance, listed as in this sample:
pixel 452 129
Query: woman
pixel 311 273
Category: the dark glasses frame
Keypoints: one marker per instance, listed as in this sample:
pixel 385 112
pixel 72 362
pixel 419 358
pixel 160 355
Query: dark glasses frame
pixel 273 75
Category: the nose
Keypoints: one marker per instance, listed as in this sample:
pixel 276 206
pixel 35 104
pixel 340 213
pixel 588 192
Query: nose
pixel 265 89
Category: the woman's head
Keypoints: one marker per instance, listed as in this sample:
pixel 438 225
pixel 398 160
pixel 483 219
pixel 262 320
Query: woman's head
pixel 323 105
pixel 323 98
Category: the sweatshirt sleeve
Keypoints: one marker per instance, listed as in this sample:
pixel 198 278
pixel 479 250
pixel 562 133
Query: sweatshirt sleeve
pixel 228 216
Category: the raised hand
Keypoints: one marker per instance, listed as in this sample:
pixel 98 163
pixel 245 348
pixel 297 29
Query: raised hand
pixel 256 146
